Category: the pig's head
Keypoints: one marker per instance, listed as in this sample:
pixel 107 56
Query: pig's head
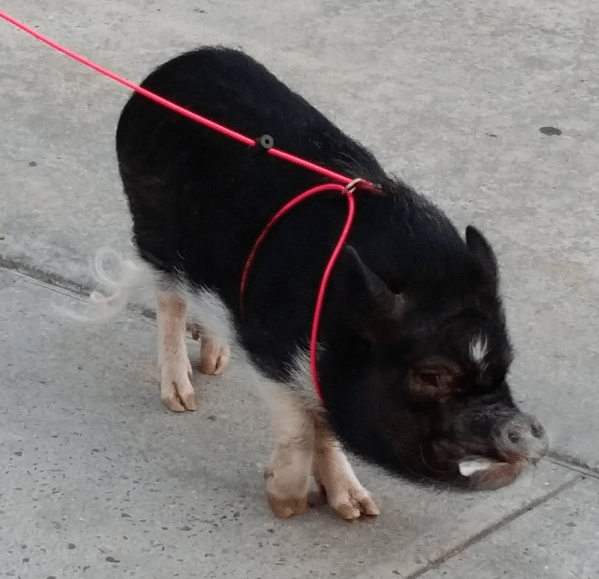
pixel 425 393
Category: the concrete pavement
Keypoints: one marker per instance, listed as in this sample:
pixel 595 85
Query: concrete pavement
pixel 98 480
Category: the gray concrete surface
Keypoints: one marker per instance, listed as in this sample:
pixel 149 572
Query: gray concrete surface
pixel 99 481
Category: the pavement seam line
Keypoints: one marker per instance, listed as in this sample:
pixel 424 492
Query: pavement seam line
pixel 480 536
pixel 573 464
pixel 43 278
pixel 62 285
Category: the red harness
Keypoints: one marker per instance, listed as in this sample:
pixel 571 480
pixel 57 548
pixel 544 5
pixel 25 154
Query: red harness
pixel 348 191
pixel 347 187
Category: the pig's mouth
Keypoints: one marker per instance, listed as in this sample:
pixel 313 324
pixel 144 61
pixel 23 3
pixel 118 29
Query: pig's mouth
pixel 476 467
pixel 514 443
pixel 476 459
pixel 481 473
pixel 484 473
pixel 479 470
pixel 491 463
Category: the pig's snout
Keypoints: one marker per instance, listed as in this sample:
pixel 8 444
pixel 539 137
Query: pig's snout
pixel 522 437
pixel 519 440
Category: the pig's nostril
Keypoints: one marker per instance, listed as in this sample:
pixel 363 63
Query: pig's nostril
pixel 537 430
pixel 514 437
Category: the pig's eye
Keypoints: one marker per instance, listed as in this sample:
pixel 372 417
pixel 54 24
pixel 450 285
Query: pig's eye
pixel 433 381
pixel 429 385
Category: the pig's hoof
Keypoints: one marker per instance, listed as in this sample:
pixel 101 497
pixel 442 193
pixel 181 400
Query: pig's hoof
pixel 354 503
pixel 214 356
pixel 176 390
pixel 287 507
pixel 287 494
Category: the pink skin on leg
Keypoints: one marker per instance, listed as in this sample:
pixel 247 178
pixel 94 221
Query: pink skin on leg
pixel 176 390
pixel 332 470
pixel 304 449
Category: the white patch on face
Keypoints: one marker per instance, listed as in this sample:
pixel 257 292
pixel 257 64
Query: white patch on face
pixel 478 350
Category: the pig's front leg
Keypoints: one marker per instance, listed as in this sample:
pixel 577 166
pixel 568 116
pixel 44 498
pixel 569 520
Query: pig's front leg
pixel 289 474
pixel 332 470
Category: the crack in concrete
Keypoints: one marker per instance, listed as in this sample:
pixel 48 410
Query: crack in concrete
pixel 572 463
pixel 47 279
pixel 480 536
pixel 63 285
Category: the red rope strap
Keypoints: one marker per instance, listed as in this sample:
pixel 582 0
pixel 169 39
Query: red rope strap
pixel 347 189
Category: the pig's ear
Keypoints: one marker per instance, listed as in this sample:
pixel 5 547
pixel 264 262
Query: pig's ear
pixel 481 248
pixel 369 302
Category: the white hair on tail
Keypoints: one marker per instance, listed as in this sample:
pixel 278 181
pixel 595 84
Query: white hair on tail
pixel 124 275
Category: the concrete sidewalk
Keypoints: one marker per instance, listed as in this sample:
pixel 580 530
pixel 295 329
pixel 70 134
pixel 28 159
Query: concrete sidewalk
pixel 464 100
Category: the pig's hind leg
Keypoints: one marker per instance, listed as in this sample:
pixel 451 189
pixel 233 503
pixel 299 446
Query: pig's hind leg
pixel 214 354
pixel 176 390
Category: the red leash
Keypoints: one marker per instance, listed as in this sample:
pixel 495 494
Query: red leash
pixel 174 107
pixel 347 189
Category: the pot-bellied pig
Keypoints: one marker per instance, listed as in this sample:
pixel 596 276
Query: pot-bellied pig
pixel 412 351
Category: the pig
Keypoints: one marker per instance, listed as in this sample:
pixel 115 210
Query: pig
pixel 413 352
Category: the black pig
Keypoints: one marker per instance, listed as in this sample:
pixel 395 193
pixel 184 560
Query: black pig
pixel 413 352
